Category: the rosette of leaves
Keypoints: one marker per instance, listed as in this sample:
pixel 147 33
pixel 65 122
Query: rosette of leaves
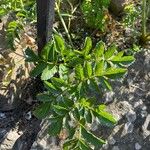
pixel 94 12
pixel 69 77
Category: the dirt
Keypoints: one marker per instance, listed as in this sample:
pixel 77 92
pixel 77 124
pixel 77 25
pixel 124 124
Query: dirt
pixel 129 103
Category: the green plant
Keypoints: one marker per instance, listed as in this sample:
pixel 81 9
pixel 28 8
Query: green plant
pixel 145 37
pixel 94 12
pixel 74 81
pixel 20 12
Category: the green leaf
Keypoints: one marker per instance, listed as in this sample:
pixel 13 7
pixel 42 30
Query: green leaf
pixel 46 51
pixel 68 143
pixel 88 70
pixel 31 56
pixel 99 50
pixel 48 72
pixel 105 117
pixel 110 51
pixel 44 97
pixel 38 69
pixel 51 88
pixel 58 82
pixel 124 59
pixel 88 116
pixel 79 72
pixel 105 83
pixel 55 127
pixel 114 72
pixel 99 68
pixel 60 44
pixel 87 46
pixel 76 114
pixel 91 138
pixel 83 145
pixel 42 110
pixel 60 110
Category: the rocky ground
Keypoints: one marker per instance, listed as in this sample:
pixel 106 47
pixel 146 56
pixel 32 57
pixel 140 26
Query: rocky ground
pixel 129 103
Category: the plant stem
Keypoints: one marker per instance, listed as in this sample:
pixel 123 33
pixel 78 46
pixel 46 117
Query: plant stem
pixel 143 18
pixel 64 25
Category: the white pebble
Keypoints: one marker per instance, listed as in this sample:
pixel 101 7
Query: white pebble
pixel 115 148
pixel 138 146
pixel 128 127
pixel 111 141
pixel 131 116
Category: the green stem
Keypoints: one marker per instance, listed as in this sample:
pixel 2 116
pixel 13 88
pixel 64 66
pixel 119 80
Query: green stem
pixel 64 25
pixel 143 18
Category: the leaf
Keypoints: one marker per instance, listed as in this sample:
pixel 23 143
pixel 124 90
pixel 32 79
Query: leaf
pixel 88 116
pixel 48 72
pixel 31 56
pixel 46 51
pixel 38 69
pixel 79 72
pixel 43 97
pixel 110 51
pixel 55 127
pixel 43 110
pixel 83 145
pixel 87 46
pixel 59 42
pixel 114 72
pixel 60 110
pixel 58 82
pixel 88 70
pixel 91 138
pixel 76 114
pixel 124 59
pixel 51 88
pixel 69 143
pixel 99 50
pixel 105 84
pixel 99 68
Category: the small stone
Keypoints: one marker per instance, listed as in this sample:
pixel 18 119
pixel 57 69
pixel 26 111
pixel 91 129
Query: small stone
pixel 2 116
pixel 128 127
pixel 106 146
pixel 139 103
pixel 111 141
pixel 144 108
pixel 131 116
pixel 28 116
pixel 109 96
pixel 115 148
pixel 144 113
pixel 138 146
pixel 146 132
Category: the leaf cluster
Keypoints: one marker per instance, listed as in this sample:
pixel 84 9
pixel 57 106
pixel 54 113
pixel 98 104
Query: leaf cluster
pixel 94 12
pixel 73 79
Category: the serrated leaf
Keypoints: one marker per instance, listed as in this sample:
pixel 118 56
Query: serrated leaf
pixel 31 56
pixel 91 138
pixel 48 72
pixel 38 69
pixel 99 50
pixel 110 51
pixel 99 68
pixel 87 46
pixel 79 73
pixel 55 129
pixel 88 70
pixel 43 110
pixel 114 72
